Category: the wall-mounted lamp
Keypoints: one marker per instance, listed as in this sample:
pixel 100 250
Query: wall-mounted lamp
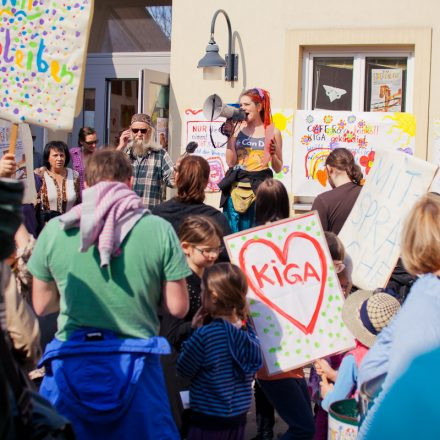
pixel 212 59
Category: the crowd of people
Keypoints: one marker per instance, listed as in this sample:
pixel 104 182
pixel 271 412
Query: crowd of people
pixel 151 335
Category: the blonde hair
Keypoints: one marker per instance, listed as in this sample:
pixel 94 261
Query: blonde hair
pixel 230 285
pixel 420 245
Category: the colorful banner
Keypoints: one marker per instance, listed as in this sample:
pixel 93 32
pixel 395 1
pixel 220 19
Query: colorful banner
pixel 43 45
pixel 294 294
pixel 371 233
pixel 23 157
pixel 316 133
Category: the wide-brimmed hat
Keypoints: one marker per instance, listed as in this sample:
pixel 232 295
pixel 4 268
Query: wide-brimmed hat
pixel 366 313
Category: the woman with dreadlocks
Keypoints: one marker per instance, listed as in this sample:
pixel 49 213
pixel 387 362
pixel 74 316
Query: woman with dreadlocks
pixel 253 148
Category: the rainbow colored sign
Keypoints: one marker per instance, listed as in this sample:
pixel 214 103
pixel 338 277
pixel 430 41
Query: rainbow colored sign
pixel 317 133
pixel 42 54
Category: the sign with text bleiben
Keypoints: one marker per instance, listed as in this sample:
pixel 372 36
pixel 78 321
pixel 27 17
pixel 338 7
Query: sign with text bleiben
pixel 371 233
pixel 294 294
pixel 42 57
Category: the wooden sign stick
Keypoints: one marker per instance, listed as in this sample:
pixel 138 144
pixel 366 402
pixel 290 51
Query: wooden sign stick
pixel 13 139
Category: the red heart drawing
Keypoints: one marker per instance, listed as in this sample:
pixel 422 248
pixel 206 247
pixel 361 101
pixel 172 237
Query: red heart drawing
pixel 282 256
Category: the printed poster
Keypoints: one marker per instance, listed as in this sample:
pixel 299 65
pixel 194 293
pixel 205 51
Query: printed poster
pixel 371 233
pixel 44 45
pixel 386 90
pixel 24 156
pixel 198 128
pixel 294 294
pixel 317 133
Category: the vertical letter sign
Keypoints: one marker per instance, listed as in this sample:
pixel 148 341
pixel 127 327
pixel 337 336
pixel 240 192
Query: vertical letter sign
pixel 294 293
pixel 42 52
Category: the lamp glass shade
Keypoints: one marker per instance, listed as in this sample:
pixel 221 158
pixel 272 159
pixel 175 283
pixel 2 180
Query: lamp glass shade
pixel 212 73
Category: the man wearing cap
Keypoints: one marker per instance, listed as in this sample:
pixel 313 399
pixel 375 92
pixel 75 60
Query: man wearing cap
pixel 152 165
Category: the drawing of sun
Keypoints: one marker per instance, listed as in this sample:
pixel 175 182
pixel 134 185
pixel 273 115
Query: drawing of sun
pixel 280 121
pixel 405 123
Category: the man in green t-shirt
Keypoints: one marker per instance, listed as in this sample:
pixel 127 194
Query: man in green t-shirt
pixel 119 290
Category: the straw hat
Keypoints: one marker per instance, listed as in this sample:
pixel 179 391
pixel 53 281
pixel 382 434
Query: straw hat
pixel 366 313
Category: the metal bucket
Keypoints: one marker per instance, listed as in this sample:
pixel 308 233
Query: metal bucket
pixel 343 420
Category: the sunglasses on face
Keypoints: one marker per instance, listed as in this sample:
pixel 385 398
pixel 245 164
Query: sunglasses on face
pixel 91 142
pixel 142 130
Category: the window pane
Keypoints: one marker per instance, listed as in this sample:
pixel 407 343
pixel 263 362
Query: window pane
pixel 385 84
pixel 158 108
pixel 332 83
pixel 89 108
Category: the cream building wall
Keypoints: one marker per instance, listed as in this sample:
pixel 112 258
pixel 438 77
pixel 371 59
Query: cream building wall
pixel 269 38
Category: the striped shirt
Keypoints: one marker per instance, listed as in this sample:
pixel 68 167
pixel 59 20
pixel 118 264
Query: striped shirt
pixel 220 360
pixel 151 172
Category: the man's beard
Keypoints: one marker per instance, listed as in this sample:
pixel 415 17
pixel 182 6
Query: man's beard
pixel 139 147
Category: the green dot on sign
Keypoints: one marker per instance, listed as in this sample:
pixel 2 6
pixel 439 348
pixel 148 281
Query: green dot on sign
pixel 337 298
pixel 243 238
pixel 279 348
pixel 331 285
pixel 298 351
pixel 252 302
pixel 313 223
pixel 338 335
pixel 298 227
pixel 339 309
pixel 255 237
pixel 286 353
pixel 290 332
pixel 277 333
pixel 255 314
pixel 318 233
pixel 317 345
pixel 328 306
pixel 323 314
pixel 307 356
pixel 321 331
pixel 298 341
pixel 277 364
pixel 342 325
pixel 330 321
pixel 307 341
pixel 329 279
pixel 331 268
pixel 331 345
pixel 308 228
pixel 280 237
pixel 272 325
pixel 269 318
pixel 330 298
pixel 266 330
pixel 269 234
pixel 330 335
pixel 272 350
pixel 283 343
pixel 284 229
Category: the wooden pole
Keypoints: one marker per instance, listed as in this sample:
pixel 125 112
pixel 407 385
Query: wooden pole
pixel 13 139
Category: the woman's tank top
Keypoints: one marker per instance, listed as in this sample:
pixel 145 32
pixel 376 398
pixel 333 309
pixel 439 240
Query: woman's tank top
pixel 250 152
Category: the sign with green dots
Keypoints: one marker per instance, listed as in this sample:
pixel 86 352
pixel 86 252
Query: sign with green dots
pixel 294 294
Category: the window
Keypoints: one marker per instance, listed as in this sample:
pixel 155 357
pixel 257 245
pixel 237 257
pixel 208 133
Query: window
pixel 358 81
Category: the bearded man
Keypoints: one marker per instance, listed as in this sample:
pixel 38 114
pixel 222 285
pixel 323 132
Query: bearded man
pixel 152 165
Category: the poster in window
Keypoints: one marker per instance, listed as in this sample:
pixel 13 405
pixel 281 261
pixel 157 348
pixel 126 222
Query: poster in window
pixel 333 88
pixel 386 90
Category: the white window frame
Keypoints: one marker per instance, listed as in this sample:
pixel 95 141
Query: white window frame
pixel 359 57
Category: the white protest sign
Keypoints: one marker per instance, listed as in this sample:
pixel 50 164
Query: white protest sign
pixel 371 233
pixel 317 133
pixel 43 48
pixel 23 157
pixel 294 294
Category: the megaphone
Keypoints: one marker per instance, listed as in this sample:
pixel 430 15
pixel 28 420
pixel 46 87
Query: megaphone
pixel 213 108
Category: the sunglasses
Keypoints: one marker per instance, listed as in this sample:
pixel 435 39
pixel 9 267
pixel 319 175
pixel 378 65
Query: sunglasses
pixel 91 142
pixel 142 130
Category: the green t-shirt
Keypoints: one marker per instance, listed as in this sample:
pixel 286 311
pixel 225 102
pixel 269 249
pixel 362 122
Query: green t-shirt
pixel 122 297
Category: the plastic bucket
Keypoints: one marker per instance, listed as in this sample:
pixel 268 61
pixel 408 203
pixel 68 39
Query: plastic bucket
pixel 343 420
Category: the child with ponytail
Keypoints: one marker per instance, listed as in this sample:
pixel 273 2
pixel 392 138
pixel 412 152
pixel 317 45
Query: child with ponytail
pixel 221 358
pixel 345 178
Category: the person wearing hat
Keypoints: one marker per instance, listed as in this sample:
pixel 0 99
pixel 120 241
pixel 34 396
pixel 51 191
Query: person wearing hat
pixel 152 165
pixel 365 313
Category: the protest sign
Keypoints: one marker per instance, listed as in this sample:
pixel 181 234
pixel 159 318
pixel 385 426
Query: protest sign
pixel 316 133
pixel 199 129
pixel 371 233
pixel 294 294
pixel 23 156
pixel 43 46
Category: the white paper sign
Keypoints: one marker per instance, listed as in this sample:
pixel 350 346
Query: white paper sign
pixel 294 293
pixel 317 133
pixel 371 233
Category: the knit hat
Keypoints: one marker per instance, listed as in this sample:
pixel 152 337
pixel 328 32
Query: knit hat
pixel 366 313
pixel 141 117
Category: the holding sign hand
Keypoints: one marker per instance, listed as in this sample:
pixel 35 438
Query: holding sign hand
pixel 8 165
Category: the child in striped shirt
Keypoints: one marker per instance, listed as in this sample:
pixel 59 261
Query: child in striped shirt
pixel 221 358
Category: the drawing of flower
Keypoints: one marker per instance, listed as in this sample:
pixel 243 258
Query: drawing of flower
pixel 309 119
pixel 361 124
pixel 342 124
pixel 349 136
pixel 286 169
pixel 328 119
pixel 362 142
pixel 316 129
pixel 367 161
pixel 351 119
pixel 306 139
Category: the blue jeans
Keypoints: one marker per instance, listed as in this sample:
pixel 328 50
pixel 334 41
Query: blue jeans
pixel 239 222
pixel 290 397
